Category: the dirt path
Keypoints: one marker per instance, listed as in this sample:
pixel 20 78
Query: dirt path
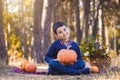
pixel 7 74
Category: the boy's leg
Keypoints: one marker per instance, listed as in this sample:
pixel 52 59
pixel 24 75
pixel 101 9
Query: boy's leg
pixel 62 69
pixel 51 71
pixel 79 65
pixel 82 66
pixel 87 69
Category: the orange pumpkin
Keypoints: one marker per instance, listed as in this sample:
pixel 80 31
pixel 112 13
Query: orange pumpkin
pixel 30 67
pixel 67 56
pixel 23 64
pixel 94 69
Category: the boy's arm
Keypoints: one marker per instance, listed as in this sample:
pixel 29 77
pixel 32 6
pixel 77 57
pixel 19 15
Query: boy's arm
pixel 50 53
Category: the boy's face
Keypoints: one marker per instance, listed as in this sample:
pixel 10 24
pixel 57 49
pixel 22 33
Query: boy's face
pixel 63 33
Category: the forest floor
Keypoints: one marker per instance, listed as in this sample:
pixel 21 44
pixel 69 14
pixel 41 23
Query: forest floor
pixel 6 73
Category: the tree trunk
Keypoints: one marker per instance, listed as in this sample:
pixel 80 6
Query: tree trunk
pixel 78 29
pixel 86 4
pixel 95 28
pixel 3 51
pixel 48 9
pixel 23 33
pixel 100 23
pixel 38 52
pixel 103 25
pixel 106 38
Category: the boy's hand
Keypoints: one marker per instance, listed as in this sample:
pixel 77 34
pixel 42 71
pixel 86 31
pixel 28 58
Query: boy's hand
pixel 66 64
pixel 56 59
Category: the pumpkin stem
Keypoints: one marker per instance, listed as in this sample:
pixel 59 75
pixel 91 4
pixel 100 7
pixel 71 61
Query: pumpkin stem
pixel 68 47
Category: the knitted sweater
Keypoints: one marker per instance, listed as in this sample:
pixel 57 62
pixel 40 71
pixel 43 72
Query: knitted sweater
pixel 58 45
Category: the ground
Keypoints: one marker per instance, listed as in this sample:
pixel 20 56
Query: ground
pixel 7 74
pixel 110 74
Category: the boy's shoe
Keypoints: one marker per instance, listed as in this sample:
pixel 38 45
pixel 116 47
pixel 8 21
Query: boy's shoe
pixel 85 71
pixel 51 72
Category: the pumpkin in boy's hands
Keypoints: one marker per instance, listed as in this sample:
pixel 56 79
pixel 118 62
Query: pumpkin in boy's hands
pixel 94 69
pixel 67 56
pixel 30 67
pixel 23 65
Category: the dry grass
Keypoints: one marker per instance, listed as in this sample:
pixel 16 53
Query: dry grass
pixel 6 74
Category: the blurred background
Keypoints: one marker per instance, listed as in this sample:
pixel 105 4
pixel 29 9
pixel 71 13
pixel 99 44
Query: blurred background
pixel 25 27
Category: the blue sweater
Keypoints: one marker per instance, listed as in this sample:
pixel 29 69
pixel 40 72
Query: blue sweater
pixel 58 45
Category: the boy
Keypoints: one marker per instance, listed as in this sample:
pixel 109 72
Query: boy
pixel 63 41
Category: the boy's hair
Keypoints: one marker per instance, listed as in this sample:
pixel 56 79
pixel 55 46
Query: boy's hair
pixel 57 25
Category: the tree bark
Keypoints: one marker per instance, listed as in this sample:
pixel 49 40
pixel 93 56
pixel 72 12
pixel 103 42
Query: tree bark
pixel 95 18
pixel 3 51
pixel 38 51
pixel 48 10
pixel 23 32
pixel 78 29
pixel 86 4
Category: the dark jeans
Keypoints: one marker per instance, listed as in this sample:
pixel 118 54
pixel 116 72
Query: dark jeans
pixel 55 67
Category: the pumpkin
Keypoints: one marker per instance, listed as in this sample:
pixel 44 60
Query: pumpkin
pixel 67 56
pixel 23 64
pixel 30 67
pixel 94 69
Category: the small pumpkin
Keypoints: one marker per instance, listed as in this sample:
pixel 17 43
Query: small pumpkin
pixel 30 67
pixel 23 64
pixel 94 69
pixel 67 56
